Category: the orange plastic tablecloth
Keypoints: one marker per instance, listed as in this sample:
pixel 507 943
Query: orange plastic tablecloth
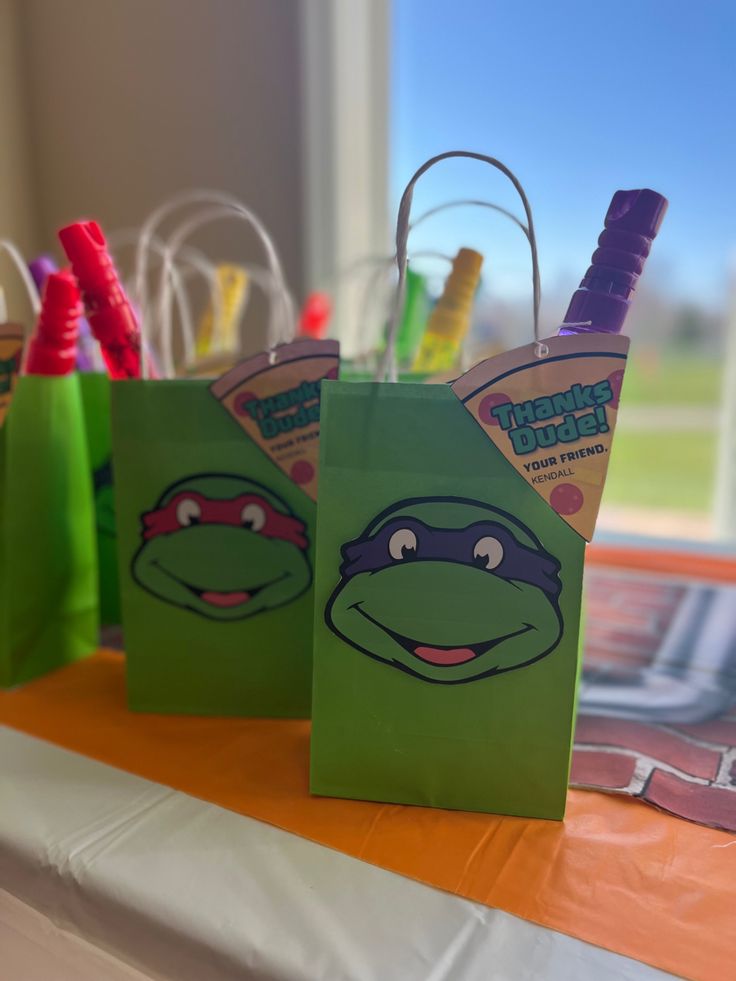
pixel 616 873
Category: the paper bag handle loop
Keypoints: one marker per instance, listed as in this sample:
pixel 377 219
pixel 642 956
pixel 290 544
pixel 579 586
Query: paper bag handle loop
pixel 470 203
pixel 169 207
pixel 282 315
pixel 388 366
pixel 282 319
pixel 13 253
pixel 191 260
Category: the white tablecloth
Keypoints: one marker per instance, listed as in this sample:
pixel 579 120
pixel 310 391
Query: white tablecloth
pixel 109 877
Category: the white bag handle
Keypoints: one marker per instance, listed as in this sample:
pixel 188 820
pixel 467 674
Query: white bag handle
pixel 473 203
pixel 178 201
pixel 282 318
pixel 150 226
pixel 388 366
pixel 376 264
pixel 191 260
pixel 13 253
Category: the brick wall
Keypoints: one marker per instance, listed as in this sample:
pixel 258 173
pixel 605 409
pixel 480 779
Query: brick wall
pixel 689 770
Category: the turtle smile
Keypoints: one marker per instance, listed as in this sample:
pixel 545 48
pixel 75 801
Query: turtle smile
pixel 221 598
pixel 474 591
pixel 439 654
pixel 223 547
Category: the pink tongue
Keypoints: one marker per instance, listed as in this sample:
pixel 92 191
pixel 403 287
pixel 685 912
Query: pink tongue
pixel 458 655
pixel 225 599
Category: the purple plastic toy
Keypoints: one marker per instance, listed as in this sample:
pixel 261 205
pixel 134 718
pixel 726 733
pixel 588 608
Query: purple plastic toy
pixel 602 300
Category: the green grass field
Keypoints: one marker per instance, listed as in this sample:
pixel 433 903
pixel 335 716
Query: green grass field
pixel 665 468
pixel 676 380
pixel 662 470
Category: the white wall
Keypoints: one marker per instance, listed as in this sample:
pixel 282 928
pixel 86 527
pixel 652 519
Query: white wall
pixel 346 89
pixel 17 206
pixel 110 106
pixel 132 100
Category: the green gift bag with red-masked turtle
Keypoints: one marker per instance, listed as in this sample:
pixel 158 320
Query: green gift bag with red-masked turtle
pixel 452 527
pixel 215 486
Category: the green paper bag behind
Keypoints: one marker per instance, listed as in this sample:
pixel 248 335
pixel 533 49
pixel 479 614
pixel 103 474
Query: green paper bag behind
pixel 436 682
pixel 95 388
pixel 48 565
pixel 217 617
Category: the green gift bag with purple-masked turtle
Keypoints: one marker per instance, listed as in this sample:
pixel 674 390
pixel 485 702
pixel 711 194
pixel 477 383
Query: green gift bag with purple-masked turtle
pixel 452 523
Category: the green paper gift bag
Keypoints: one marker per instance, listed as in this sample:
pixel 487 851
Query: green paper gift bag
pixel 217 606
pixel 215 485
pixel 48 566
pixel 449 576
pixel 398 463
pixel 95 388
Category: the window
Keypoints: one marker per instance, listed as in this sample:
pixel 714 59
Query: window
pixel 580 100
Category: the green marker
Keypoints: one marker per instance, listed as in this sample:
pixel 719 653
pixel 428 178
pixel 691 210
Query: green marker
pixel 414 320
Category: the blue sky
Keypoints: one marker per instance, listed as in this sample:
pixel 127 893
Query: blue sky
pixel 579 99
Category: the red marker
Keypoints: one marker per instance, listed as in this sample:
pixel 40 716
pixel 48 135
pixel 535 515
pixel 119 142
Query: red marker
pixel 53 347
pixel 315 316
pixel 109 312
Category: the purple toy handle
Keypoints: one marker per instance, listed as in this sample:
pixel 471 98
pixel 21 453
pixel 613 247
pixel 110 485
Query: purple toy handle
pixel 602 300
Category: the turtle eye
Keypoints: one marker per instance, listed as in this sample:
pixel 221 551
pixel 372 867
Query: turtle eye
pixel 402 545
pixel 488 553
pixel 253 517
pixel 188 512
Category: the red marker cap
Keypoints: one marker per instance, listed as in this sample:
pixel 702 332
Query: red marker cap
pixel 109 312
pixel 315 316
pixel 53 347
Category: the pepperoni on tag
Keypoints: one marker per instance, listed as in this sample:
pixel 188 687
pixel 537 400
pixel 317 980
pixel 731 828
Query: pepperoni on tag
pixel 566 499
pixel 488 403
pixel 616 380
pixel 302 472
pixel 243 398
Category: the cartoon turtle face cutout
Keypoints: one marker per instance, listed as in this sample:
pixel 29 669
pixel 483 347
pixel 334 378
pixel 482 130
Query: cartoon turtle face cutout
pixel 449 590
pixel 224 547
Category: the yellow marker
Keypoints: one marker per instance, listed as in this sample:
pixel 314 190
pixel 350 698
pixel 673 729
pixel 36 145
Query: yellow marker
pixel 449 322
pixel 217 337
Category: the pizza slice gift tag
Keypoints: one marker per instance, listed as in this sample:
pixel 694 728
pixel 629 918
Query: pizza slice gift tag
pixel 275 397
pixel 11 351
pixel 551 407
